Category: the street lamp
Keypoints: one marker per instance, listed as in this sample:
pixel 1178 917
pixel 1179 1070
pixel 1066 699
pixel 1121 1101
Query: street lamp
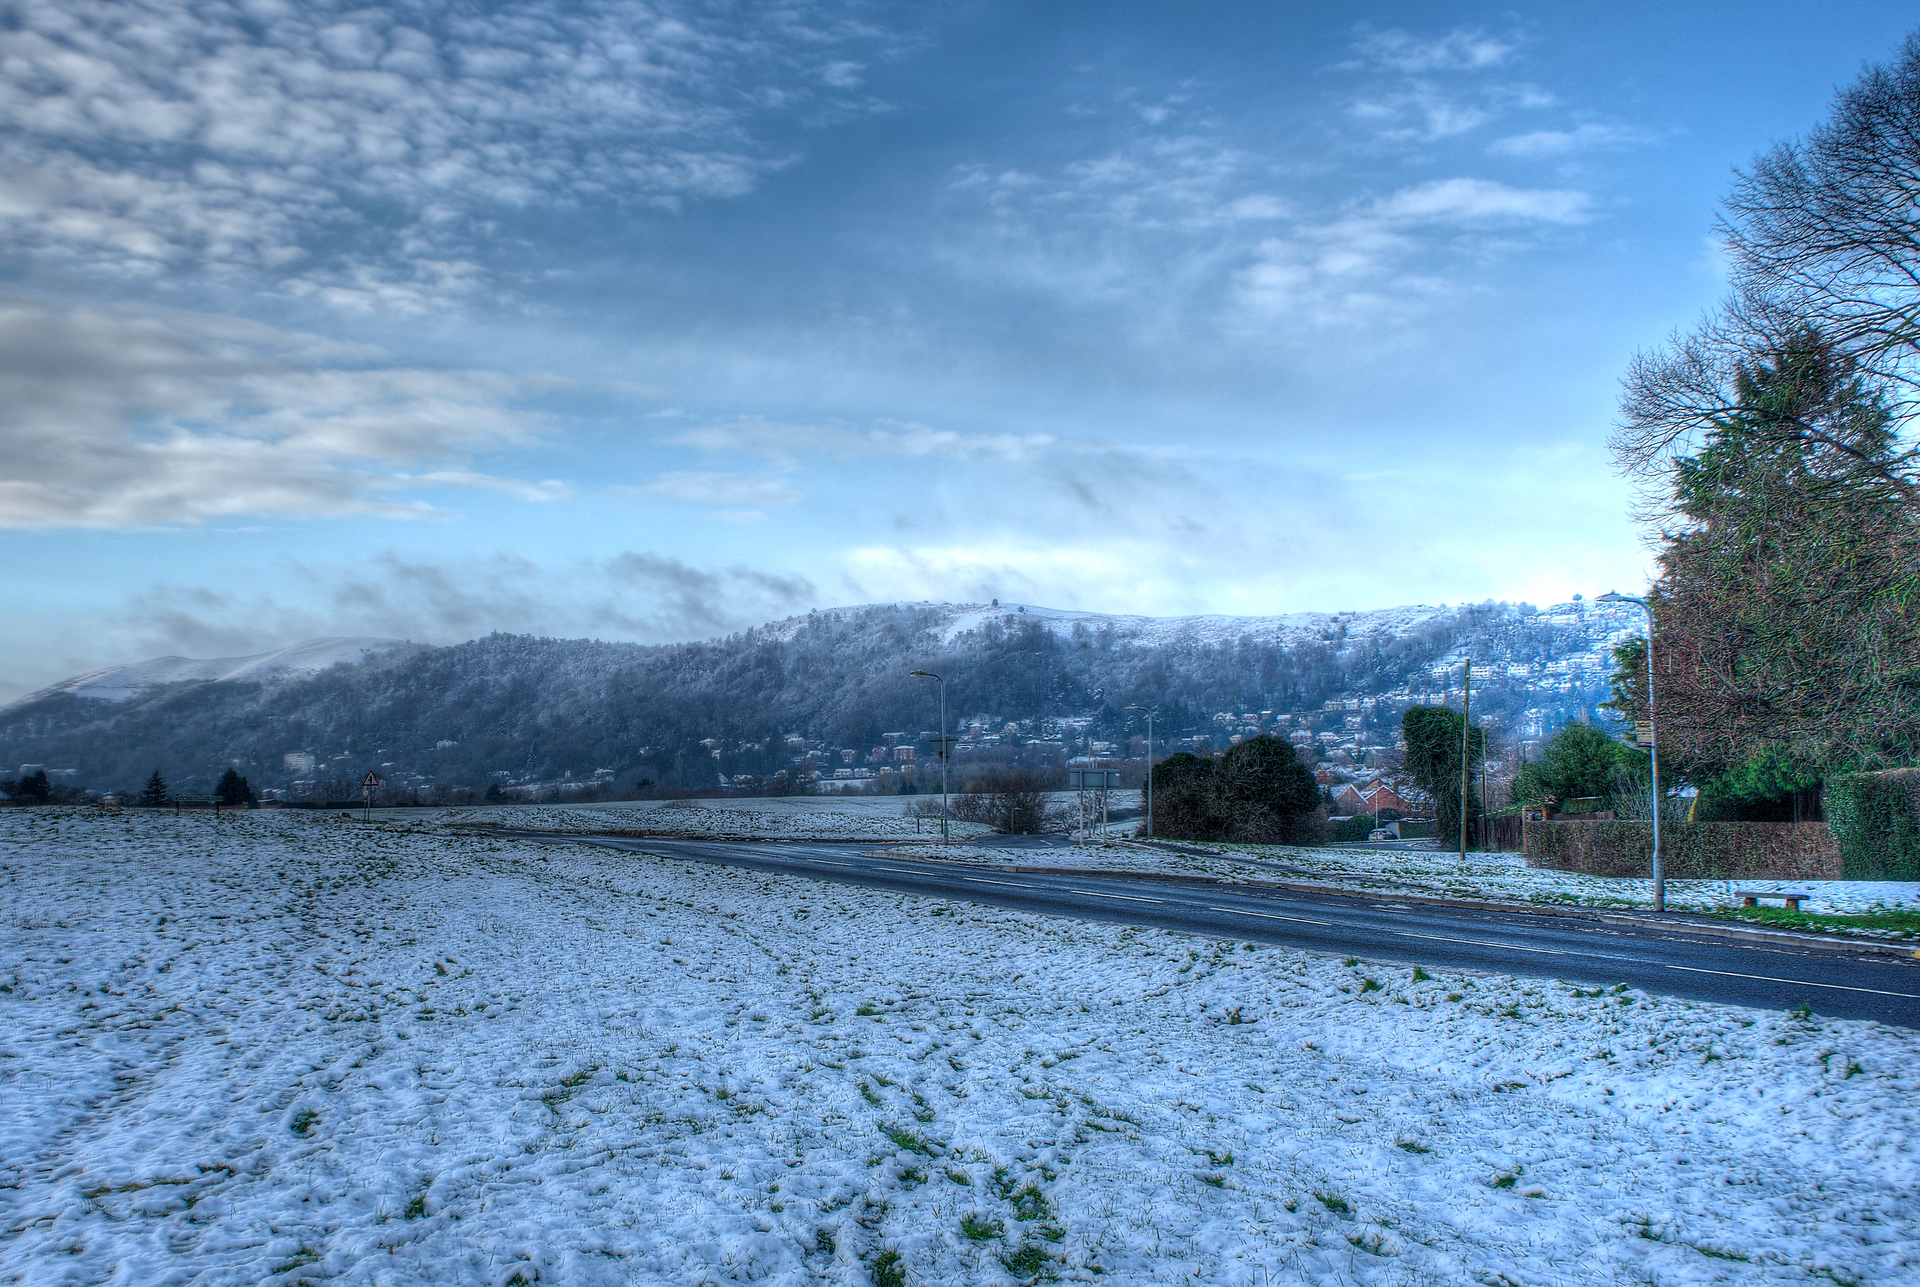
pixel 940 744
pixel 1653 748
pixel 1148 712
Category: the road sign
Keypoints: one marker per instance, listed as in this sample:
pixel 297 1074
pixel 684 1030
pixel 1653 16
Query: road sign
pixel 370 781
pixel 942 745
pixel 1643 732
pixel 1093 779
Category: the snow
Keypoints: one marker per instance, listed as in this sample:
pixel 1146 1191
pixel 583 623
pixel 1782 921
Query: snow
pixel 1507 877
pixel 749 818
pixel 122 683
pixel 286 1047
pixel 1494 877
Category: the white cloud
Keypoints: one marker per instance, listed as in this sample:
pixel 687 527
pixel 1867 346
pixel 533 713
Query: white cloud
pixel 786 442
pixel 741 498
pixel 359 155
pixel 118 417
pixel 1376 263
pixel 1556 143
pixel 1462 49
pixel 635 595
pixel 1482 200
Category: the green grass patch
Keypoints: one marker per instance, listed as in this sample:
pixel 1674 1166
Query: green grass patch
pixel 977 1229
pixel 887 1271
pixel 1025 1261
pixel 303 1121
pixel 1901 922
pixel 907 1140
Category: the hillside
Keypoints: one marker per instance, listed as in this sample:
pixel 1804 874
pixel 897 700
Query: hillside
pixel 824 690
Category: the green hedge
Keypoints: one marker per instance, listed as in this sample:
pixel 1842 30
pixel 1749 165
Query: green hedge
pixel 1875 819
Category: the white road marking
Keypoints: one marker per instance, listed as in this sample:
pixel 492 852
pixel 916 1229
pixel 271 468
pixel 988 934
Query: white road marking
pixel 1132 898
pixel 1482 942
pixel 831 863
pixel 1268 916
pixel 1010 884
pixel 1768 978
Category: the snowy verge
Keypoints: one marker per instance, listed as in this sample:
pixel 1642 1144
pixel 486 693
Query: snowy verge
pixel 285 1046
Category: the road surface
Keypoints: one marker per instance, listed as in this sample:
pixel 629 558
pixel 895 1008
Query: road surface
pixel 1672 959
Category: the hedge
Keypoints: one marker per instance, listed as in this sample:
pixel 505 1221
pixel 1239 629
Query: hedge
pixel 1875 819
pixel 1688 850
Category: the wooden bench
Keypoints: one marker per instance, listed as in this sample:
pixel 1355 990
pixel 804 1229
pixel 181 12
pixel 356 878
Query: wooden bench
pixel 1752 897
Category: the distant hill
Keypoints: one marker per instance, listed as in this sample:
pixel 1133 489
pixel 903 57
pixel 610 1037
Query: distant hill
pixel 824 684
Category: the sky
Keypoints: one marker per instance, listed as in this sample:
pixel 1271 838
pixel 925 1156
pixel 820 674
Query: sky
pixel 656 321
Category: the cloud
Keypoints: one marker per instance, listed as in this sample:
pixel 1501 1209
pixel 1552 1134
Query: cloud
pixel 366 157
pixel 1377 263
pixel 1462 49
pixel 1555 143
pixel 741 499
pixel 787 442
pixel 122 417
pixel 639 596
pixel 1482 200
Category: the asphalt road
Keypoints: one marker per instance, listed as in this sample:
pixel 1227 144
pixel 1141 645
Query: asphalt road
pixel 1669 959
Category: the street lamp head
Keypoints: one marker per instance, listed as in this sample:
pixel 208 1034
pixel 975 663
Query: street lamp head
pixel 1614 596
pixel 923 674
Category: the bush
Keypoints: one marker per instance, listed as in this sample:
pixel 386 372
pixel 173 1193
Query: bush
pixel 1875 820
pixel 1258 792
pixel 1013 802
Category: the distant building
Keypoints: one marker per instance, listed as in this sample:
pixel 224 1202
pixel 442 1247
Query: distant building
pixel 298 761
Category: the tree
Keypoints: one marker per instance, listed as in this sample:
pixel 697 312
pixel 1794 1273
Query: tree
pixel 494 795
pixel 1787 614
pixel 232 788
pixel 154 794
pixel 1257 792
pixel 30 788
pixel 1820 233
pixel 1775 450
pixel 1012 802
pixel 1579 762
pixel 1433 735
pixel 1184 805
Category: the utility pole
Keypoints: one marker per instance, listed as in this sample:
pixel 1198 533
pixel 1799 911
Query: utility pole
pixel 1466 742
pixel 1653 748
pixel 1149 714
pixel 943 743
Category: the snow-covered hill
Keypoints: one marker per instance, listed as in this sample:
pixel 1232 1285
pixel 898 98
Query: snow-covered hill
pixel 123 683
pixel 818 692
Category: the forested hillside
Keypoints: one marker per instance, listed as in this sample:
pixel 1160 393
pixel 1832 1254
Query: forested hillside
pixel 528 709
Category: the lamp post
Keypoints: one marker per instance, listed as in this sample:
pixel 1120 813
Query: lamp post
pixel 1653 748
pixel 941 745
pixel 1148 712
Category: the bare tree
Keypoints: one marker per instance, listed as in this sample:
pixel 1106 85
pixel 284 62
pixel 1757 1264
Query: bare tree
pixel 1823 235
pixel 1013 802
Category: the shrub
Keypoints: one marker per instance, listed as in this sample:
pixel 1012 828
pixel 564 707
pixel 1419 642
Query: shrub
pixel 1259 791
pixel 1875 820
pixel 1013 802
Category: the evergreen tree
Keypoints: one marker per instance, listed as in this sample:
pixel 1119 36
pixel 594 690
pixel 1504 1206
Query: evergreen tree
pixel 33 788
pixel 154 794
pixel 1433 758
pixel 233 789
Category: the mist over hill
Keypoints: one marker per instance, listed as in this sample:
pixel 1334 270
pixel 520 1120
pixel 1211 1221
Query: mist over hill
pixel 821 693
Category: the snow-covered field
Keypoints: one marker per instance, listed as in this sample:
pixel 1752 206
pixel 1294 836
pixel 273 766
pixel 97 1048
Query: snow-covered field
pixel 290 1047
pixel 788 818
pixel 1500 877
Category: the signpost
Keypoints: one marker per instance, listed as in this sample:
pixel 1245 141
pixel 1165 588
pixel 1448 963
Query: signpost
pixel 367 784
pixel 1096 782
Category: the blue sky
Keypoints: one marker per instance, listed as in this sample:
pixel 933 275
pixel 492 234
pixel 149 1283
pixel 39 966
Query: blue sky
pixel 655 321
